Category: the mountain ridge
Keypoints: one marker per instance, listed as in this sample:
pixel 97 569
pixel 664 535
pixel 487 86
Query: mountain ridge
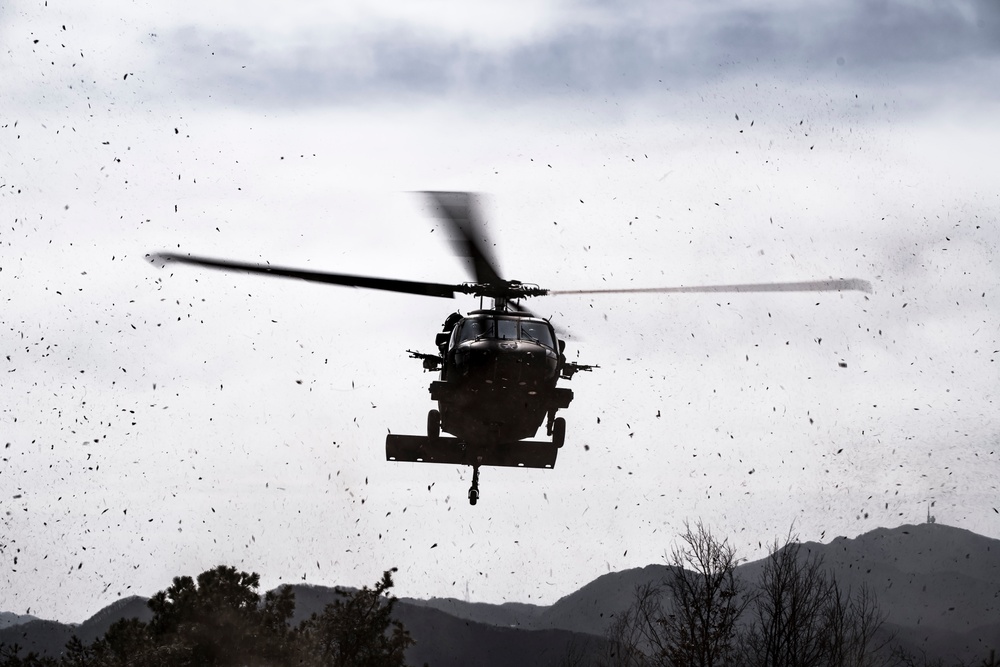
pixel 939 586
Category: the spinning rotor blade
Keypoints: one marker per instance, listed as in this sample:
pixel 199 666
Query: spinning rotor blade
pixel 387 284
pixel 458 211
pixel 838 285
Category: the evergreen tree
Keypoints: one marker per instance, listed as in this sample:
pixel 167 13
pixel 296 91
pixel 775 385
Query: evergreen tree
pixel 222 621
pixel 356 630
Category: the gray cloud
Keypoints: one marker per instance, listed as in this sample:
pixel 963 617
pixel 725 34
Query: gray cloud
pixel 871 40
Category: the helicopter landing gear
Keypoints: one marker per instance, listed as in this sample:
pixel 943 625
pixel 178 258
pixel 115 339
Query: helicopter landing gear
pixel 555 427
pixel 474 489
pixel 433 425
pixel 558 431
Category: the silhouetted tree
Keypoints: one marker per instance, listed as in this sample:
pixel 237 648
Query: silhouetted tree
pixel 801 617
pixel 356 630
pixel 697 616
pixel 77 654
pixel 634 634
pixel 788 610
pixel 127 642
pixel 10 656
pixel 853 625
pixel 581 652
pixel 690 618
pixel 905 658
pixel 220 621
pixel 706 602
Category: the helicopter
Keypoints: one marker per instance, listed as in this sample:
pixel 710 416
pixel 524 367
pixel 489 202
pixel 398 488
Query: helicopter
pixel 498 366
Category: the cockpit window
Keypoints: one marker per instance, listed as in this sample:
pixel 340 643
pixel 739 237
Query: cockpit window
pixel 537 332
pixel 507 329
pixel 476 328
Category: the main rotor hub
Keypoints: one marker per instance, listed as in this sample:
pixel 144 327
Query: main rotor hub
pixel 503 290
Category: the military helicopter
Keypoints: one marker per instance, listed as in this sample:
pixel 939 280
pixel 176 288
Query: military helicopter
pixel 498 366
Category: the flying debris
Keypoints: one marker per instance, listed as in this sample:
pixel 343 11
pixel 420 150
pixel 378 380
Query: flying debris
pixel 500 365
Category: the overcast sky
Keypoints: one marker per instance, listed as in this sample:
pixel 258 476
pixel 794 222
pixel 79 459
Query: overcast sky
pixel 158 422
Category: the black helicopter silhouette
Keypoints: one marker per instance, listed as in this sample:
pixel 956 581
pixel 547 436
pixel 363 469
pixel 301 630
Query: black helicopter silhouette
pixel 499 366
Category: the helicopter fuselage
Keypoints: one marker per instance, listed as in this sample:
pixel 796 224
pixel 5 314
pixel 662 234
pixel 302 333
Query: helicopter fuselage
pixel 498 378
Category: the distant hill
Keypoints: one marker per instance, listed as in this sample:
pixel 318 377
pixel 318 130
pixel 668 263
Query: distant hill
pixel 50 637
pixel 446 641
pixel 464 633
pixel 508 615
pixel 8 619
pixel 939 585
pixel 592 608
pixel 442 640
pixel 587 611
pixel 38 636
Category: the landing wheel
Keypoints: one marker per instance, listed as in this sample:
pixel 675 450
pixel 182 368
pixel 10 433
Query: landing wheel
pixel 474 489
pixel 433 424
pixel 558 431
